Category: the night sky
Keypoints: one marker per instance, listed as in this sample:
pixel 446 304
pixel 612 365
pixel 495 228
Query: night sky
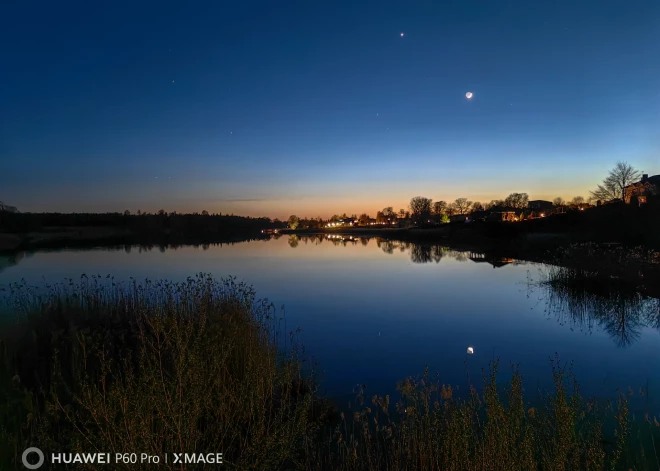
pixel 321 107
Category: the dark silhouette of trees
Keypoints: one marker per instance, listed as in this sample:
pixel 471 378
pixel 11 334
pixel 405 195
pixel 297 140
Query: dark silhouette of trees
pixel 577 202
pixel 439 208
pixel 517 200
pixel 119 228
pixel 420 209
pixel 477 206
pixel 127 213
pixel 389 214
pixel 558 202
pixel 493 204
pixel 613 185
pixel 205 213
pixel 462 205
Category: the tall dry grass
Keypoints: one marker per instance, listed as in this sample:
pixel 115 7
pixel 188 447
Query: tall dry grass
pixel 203 366
pixel 154 368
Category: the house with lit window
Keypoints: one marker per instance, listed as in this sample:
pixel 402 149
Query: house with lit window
pixel 641 190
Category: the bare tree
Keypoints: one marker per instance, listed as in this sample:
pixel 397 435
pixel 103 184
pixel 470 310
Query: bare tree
pixel 402 213
pixel 462 205
pixel 439 207
pixel 613 186
pixel 517 200
pixel 493 203
pixel 389 214
pixel 420 208
pixel 477 206
pixel 558 202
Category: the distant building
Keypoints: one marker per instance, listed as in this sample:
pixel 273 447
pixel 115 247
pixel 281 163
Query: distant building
pixel 540 205
pixel 642 189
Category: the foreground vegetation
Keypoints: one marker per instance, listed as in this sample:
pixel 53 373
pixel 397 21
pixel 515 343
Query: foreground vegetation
pixel 203 366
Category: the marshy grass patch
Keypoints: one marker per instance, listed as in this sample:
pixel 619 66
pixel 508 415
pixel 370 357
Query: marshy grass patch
pixel 204 366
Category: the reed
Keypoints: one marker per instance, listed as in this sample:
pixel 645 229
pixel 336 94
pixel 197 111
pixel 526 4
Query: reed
pixel 203 366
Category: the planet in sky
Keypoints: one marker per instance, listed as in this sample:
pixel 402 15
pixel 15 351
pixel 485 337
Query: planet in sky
pixel 468 95
pixel 401 34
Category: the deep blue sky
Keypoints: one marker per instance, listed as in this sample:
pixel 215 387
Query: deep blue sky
pixel 317 107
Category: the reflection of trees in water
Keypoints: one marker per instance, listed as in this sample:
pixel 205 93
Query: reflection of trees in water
pixel 438 252
pixel 388 246
pixel 622 313
pixel 421 253
pixel 459 256
pixel 315 239
pixel 293 241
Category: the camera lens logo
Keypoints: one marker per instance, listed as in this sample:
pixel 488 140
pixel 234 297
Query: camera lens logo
pixel 27 452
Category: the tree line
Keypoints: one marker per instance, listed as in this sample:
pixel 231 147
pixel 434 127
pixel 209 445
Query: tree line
pixel 423 210
pixel 160 222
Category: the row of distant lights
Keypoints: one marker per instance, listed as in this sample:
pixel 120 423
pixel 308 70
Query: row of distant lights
pixel 335 236
pixel 337 224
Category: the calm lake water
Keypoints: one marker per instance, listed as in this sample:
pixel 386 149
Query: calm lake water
pixel 374 312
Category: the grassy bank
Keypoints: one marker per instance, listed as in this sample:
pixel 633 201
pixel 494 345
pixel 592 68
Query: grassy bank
pixel 203 366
